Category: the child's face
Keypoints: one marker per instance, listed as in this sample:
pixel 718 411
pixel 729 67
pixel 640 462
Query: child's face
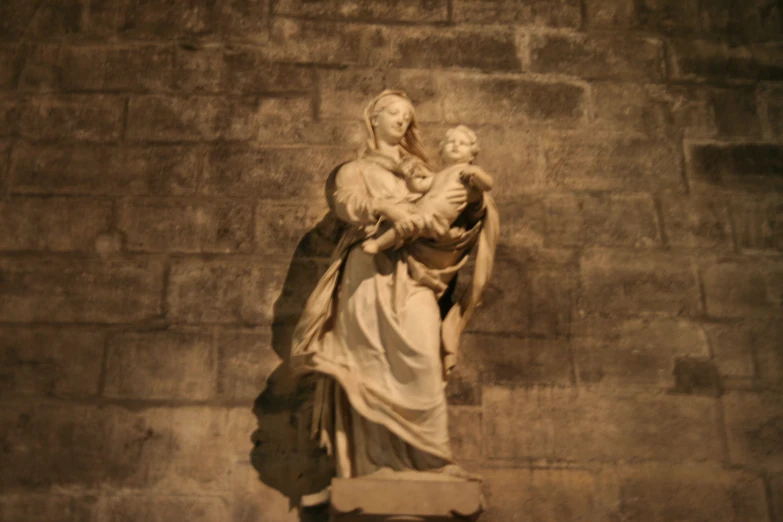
pixel 457 148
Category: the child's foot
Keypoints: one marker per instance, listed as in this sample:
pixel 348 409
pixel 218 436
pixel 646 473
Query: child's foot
pixel 370 247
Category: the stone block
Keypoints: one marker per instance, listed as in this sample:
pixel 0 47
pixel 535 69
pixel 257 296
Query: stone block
pixel 738 289
pixel 161 365
pixel 624 283
pixel 5 156
pixel 670 16
pixel 597 57
pixel 321 42
pixel 754 426
pixel 243 19
pixel 517 361
pixel 634 352
pixel 366 10
pixel 750 349
pixel 105 170
pixel 52 362
pixel 10 114
pixel 368 499
pixel 627 220
pixel 246 359
pixel 735 165
pixel 510 100
pixel 11 59
pixel 776 493
pixel 696 376
pixel 718 61
pixel 15 17
pixel 743 19
pixel 547 13
pixel 506 307
pixel 72 19
pixel 566 424
pixel 772 104
pixel 345 93
pixel 580 162
pixel 286 229
pixel 244 70
pixel 699 493
pixel 37 507
pixel 543 495
pixel 282 173
pixel 174 225
pixel 170 19
pixel 60 290
pixel 465 432
pixel 696 222
pixel 255 501
pixel 223 291
pixel 80 118
pixel 199 118
pixel 58 225
pixel 758 222
pixel 524 221
pixel 116 68
pixel 162 508
pixel 39 71
pixel 487 49
pixel 610 14
pixel 425 88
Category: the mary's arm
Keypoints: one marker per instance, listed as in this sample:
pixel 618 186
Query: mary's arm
pixel 354 204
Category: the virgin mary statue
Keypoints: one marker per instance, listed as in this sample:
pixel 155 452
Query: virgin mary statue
pixel 373 328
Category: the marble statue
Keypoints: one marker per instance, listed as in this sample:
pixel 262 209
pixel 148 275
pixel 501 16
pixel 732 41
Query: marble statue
pixel 373 329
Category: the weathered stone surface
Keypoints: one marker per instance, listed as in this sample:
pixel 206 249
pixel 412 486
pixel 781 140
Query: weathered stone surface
pixel 536 12
pixel 746 165
pixel 610 14
pixel 106 170
pixel 524 221
pixel 161 365
pixel 711 60
pixel 736 347
pixel 505 308
pixel 581 162
pixel 83 118
pixel 705 492
pixel 11 59
pixel 45 361
pixel 754 424
pixel 396 10
pixel 255 501
pixel 72 19
pixel 174 225
pixel 758 222
pixel 329 43
pixel 237 70
pixel 246 359
pixel 553 293
pixel 635 283
pixel 625 58
pixel 512 100
pixel 669 15
pixel 345 93
pixel 59 290
pixel 280 173
pixel 15 17
pixel 567 495
pixel 563 424
pixel 159 508
pixel 696 222
pixel 772 100
pixel 746 19
pixel 516 361
pixel 285 229
pixel 52 224
pixel 737 289
pixel 198 118
pixel 47 508
pixel 606 221
pixel 633 352
pixel 223 291
pixel 776 491
pixel 39 71
pixel 464 435
pixel 120 68
pixel 470 48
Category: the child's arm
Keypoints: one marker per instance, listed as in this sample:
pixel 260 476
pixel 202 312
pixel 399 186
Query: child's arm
pixel 477 177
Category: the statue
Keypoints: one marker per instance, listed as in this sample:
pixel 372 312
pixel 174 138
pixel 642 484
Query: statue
pixel 373 328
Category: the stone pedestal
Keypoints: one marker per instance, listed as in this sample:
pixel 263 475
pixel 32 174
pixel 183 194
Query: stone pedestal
pixel 383 500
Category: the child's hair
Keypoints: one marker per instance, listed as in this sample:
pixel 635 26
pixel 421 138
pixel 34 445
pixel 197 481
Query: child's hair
pixel 474 146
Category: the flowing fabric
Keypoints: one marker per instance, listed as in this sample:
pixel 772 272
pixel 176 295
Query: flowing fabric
pixel 372 327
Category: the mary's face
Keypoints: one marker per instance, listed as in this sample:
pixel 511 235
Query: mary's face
pixel 392 123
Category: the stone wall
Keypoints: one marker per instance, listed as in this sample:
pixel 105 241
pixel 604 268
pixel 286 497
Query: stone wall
pixel 161 200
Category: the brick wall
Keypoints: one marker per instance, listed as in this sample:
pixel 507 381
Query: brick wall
pixel 161 195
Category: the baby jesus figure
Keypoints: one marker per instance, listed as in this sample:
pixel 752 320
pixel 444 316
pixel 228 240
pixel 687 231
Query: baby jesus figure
pixel 458 150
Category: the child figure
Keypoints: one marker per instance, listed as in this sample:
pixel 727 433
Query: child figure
pixel 458 150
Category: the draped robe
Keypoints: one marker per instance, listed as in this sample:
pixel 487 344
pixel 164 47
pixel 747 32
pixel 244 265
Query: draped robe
pixel 372 327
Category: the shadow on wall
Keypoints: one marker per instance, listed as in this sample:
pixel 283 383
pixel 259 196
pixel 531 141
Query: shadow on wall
pixel 284 454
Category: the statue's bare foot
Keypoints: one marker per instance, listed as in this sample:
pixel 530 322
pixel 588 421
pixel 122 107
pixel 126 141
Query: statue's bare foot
pixel 370 247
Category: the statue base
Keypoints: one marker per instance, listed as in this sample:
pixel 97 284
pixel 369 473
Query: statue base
pixel 404 500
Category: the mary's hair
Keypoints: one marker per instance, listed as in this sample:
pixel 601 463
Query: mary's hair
pixel 411 142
